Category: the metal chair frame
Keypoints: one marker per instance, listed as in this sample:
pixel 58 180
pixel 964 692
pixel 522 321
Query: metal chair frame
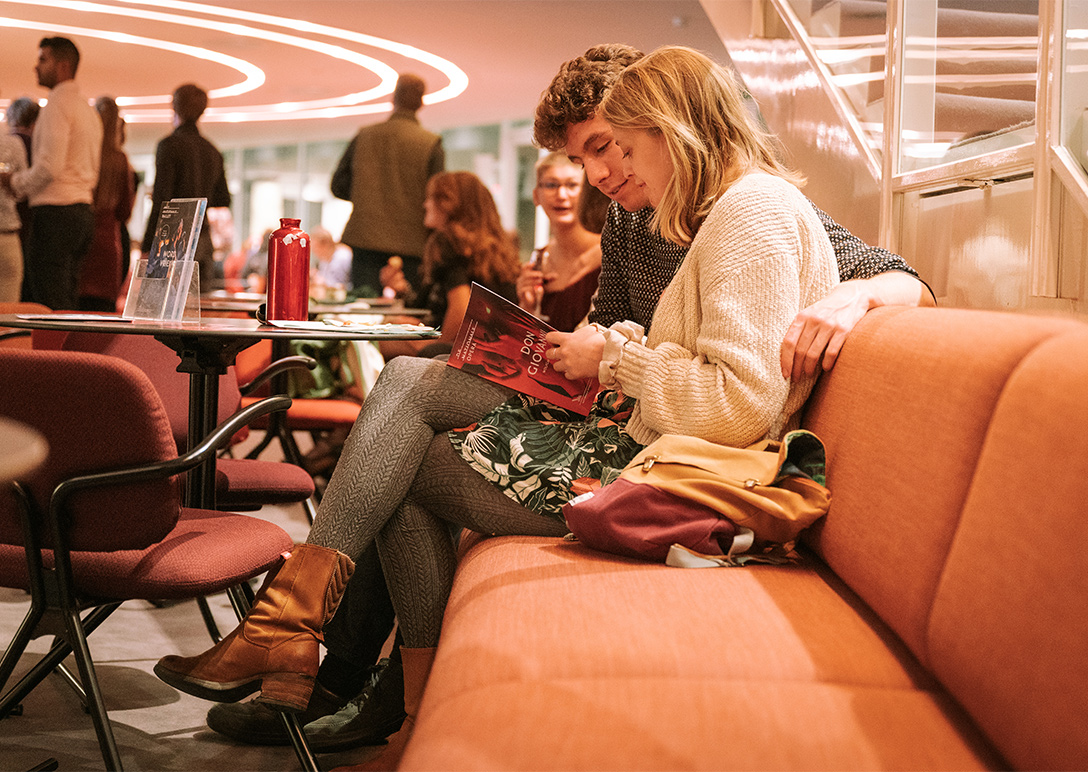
pixel 56 608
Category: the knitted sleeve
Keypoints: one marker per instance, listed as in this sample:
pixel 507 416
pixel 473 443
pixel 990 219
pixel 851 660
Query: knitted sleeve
pixel 856 259
pixel 710 366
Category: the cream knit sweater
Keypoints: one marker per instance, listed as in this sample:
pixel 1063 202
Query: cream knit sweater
pixel 710 364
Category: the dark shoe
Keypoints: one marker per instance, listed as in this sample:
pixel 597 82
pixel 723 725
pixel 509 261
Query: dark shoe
pixel 368 719
pixel 257 724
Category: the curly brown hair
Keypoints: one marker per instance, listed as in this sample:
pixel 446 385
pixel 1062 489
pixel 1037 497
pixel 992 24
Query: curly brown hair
pixel 473 228
pixel 577 91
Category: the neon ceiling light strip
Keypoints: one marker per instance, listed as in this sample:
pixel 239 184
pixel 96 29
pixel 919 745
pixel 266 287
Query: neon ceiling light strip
pixel 254 76
pixel 458 80
pixel 351 104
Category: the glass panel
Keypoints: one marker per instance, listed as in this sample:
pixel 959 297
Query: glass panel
pixel 1075 81
pixel 973 246
pixel 969 78
pixel 850 38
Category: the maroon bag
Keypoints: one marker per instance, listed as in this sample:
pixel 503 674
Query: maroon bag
pixel 711 499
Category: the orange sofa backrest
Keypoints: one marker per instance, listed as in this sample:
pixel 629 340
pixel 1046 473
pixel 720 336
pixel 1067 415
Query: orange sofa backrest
pixel 959 482
pixel 1008 634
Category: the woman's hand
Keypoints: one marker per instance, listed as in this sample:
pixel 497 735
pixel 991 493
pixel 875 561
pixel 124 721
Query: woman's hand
pixel 391 275
pixel 530 286
pixel 576 354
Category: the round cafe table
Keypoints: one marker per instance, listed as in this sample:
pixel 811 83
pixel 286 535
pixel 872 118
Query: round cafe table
pixel 22 449
pixel 205 349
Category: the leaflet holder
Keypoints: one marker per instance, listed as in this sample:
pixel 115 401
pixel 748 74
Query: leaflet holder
pixel 171 296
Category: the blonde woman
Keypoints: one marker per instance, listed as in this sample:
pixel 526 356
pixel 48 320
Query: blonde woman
pixel 708 367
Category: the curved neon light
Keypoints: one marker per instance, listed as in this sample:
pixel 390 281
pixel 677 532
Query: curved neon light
pixel 358 103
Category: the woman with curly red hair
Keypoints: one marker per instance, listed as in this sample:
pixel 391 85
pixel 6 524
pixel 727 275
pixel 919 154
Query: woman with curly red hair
pixel 467 244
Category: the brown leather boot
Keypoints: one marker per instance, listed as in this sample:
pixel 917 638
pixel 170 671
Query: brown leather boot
pixel 417 668
pixel 276 647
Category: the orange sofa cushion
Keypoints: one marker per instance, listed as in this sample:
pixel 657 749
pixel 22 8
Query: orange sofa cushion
pixel 565 658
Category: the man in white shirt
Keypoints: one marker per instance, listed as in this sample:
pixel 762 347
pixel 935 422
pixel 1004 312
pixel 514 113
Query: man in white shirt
pixel 59 185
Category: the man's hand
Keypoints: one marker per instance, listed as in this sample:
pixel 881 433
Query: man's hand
pixel 820 330
pixel 576 354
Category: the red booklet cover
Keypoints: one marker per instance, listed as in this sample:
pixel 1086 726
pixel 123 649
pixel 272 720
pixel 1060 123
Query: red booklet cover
pixel 504 343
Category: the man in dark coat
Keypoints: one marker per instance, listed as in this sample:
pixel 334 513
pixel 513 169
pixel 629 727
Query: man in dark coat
pixel 188 165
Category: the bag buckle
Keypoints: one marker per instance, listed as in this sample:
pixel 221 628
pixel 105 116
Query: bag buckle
pixel 648 463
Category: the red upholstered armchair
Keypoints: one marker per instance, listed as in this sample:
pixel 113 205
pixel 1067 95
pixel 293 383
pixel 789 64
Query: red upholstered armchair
pixel 101 521
pixel 240 484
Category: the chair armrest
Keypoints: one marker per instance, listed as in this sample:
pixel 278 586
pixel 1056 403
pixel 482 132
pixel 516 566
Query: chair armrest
pixel 201 453
pixel 274 369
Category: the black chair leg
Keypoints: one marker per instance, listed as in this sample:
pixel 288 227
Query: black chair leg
pixel 239 600
pixel 209 619
pixel 62 671
pixel 310 509
pixel 298 741
pixel 106 742
pixel 15 650
pixel 60 649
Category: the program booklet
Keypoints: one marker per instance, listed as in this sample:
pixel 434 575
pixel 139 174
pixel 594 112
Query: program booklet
pixel 166 284
pixel 176 234
pixel 502 342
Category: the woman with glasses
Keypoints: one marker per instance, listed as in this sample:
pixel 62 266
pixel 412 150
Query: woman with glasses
pixel 559 282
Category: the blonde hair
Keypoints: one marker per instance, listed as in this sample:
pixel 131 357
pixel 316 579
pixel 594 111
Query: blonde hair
pixel 696 105
pixel 550 161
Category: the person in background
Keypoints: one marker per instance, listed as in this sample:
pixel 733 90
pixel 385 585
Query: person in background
pixel 330 265
pixel 12 159
pixel 468 244
pixel 559 281
pixel 102 273
pixel 384 173
pixel 126 234
pixel 60 181
pixel 188 165
pixel 22 114
pixel 255 269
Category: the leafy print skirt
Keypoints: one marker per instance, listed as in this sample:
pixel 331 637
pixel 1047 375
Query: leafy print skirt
pixel 542 456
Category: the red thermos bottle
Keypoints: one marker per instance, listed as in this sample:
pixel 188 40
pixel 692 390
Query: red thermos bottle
pixel 289 272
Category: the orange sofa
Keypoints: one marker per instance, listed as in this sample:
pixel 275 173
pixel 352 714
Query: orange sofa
pixel 939 620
